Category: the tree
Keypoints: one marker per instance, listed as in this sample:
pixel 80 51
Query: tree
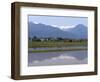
pixel 59 38
pixel 34 38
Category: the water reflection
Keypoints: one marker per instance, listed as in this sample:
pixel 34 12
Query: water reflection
pixel 57 58
pixel 54 48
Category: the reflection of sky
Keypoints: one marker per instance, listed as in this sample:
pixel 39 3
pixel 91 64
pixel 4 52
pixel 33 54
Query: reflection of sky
pixel 58 58
pixel 59 21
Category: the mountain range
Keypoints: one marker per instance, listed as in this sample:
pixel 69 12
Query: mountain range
pixel 44 31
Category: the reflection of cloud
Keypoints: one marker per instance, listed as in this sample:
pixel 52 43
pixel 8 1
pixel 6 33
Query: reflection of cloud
pixel 63 57
pixel 36 61
pixel 60 60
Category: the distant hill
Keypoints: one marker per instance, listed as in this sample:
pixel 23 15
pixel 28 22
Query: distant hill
pixel 79 30
pixel 43 31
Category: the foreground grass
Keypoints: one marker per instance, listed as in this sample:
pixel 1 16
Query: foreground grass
pixel 36 44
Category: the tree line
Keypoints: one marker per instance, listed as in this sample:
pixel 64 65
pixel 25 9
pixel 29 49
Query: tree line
pixel 34 38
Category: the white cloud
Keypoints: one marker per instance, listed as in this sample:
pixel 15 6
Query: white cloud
pixel 54 25
pixel 58 26
pixel 66 27
pixel 63 27
pixel 35 22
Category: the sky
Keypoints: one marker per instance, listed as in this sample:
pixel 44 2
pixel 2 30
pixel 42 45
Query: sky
pixel 58 21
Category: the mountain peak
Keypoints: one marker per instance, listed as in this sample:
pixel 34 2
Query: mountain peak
pixel 80 26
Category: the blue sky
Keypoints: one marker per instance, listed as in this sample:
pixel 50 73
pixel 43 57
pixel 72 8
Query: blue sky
pixel 58 20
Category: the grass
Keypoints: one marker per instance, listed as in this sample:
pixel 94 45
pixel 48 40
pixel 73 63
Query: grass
pixel 36 44
pixel 52 44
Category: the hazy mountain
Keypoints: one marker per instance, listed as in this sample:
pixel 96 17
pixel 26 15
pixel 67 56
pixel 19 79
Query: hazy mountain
pixel 42 31
pixel 80 31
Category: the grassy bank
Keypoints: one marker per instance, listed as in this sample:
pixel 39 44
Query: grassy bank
pixel 35 44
